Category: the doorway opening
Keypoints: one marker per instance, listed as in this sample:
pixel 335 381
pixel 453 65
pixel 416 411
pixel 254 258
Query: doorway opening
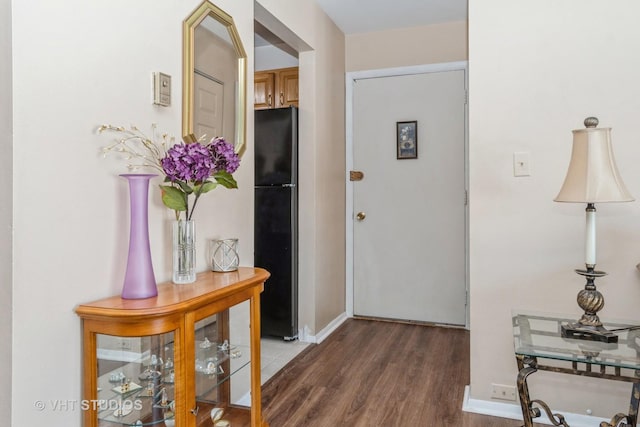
pixel 276 82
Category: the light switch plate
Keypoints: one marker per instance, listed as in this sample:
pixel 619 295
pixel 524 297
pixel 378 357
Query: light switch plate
pixel 161 89
pixel 521 164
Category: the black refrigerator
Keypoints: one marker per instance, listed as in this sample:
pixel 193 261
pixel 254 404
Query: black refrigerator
pixel 276 218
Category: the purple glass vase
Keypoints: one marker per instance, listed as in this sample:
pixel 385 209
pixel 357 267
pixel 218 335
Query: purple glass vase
pixel 139 280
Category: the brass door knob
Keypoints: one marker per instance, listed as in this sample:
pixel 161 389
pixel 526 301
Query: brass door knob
pixel 360 216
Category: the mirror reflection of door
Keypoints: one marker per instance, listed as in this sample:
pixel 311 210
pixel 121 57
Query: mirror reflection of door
pixel 208 103
pixel 215 73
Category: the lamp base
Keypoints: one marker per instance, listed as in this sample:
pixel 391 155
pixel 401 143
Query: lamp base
pixel 589 327
pixel 579 331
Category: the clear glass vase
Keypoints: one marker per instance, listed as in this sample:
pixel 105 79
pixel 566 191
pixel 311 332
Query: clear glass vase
pixel 184 252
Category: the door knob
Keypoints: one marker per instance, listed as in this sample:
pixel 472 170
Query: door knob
pixel 360 216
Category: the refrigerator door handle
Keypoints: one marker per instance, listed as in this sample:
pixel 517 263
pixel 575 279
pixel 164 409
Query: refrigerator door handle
pixel 289 185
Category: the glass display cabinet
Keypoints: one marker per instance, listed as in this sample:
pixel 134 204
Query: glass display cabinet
pixel 179 359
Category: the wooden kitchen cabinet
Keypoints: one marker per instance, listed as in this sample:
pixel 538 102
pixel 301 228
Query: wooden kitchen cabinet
pixel 171 360
pixel 276 88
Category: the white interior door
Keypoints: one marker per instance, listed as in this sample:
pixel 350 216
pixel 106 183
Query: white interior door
pixel 208 107
pixel 409 249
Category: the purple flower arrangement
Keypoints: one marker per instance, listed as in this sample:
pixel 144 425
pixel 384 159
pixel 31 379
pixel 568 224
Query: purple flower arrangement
pixel 190 168
pixel 224 157
pixel 188 162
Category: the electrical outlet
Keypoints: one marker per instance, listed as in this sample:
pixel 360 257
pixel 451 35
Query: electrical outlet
pixel 503 392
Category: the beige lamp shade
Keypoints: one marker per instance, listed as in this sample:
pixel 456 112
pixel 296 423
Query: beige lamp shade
pixel 593 176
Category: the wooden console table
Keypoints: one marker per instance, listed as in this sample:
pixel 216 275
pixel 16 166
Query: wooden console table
pixel 539 346
pixel 169 360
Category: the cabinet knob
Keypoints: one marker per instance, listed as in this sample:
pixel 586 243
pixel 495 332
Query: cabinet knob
pixel 281 98
pixel 360 216
pixel 269 100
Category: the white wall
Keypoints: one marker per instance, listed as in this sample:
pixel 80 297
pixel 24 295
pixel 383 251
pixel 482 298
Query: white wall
pixel 6 207
pixel 429 44
pixel 79 64
pixel 537 68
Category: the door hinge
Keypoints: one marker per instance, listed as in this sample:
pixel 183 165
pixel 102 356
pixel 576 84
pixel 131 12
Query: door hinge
pixel 466 97
pixel 466 197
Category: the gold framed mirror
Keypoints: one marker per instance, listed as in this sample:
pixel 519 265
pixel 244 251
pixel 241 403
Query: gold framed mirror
pixel 214 77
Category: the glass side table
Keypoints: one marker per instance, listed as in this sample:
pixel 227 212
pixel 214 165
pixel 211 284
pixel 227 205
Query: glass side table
pixel 539 346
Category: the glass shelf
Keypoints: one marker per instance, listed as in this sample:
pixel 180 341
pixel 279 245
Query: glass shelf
pixel 538 335
pixel 540 346
pixel 131 386
pixel 214 367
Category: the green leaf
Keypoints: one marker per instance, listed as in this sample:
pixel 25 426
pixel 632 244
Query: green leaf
pixel 185 187
pixel 174 198
pixel 225 179
pixel 205 187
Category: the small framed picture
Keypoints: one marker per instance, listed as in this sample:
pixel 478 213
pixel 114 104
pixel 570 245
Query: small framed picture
pixel 407 140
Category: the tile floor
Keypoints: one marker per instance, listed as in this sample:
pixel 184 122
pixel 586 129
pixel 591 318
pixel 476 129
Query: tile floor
pixel 276 353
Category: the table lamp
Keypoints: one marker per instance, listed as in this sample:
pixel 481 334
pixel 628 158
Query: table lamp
pixel 592 178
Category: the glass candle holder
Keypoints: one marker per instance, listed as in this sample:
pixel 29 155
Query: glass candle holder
pixel 224 254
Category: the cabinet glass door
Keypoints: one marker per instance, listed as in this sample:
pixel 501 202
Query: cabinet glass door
pixel 222 368
pixel 135 380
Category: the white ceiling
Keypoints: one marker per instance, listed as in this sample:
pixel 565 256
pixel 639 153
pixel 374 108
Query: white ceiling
pixel 363 16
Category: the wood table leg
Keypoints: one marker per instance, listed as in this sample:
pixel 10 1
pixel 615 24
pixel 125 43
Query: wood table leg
pixel 256 414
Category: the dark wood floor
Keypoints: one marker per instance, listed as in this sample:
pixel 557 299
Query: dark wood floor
pixel 372 373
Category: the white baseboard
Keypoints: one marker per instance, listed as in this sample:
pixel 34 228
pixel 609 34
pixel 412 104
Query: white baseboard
pixel 513 411
pixel 304 336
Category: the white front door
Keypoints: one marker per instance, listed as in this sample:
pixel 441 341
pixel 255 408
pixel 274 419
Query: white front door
pixel 410 237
